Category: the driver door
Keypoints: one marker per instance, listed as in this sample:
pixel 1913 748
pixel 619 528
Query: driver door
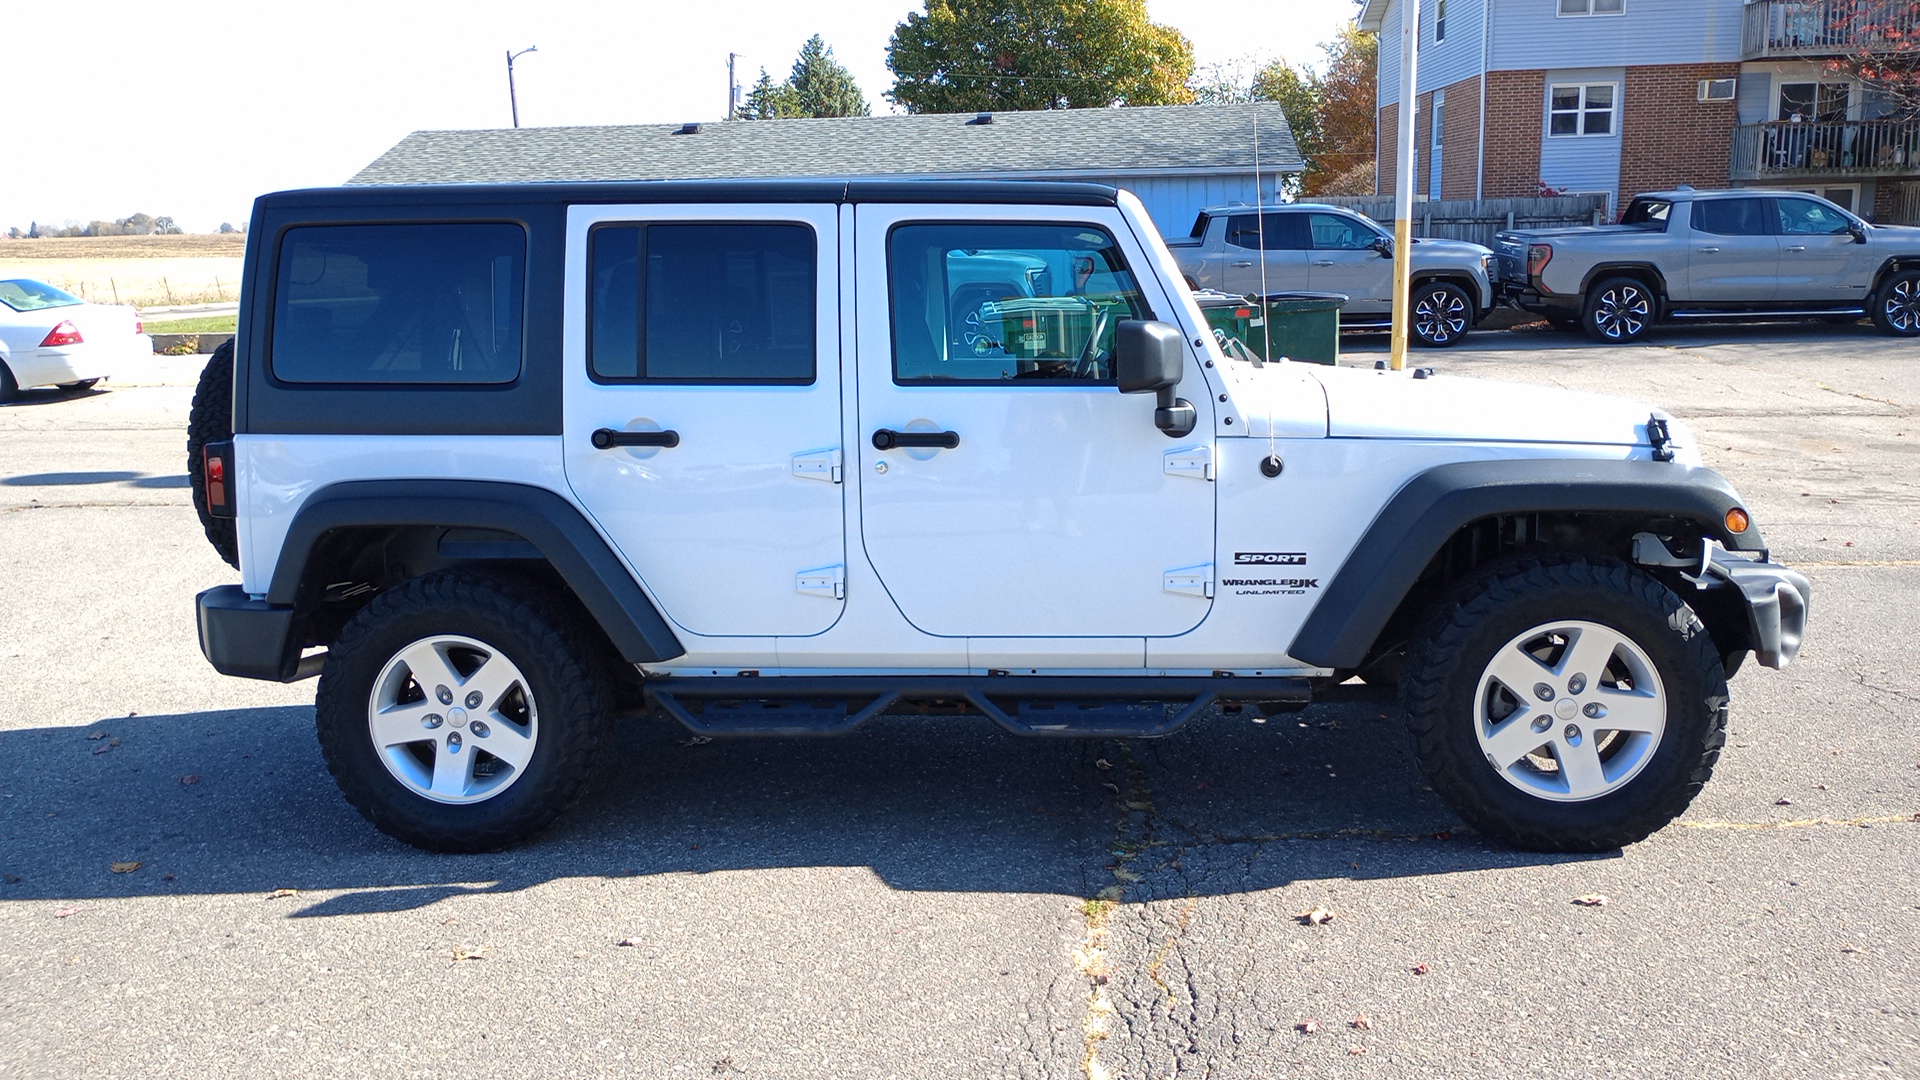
pixel 1008 489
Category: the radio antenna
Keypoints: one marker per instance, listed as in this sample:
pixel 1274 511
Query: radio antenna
pixel 1271 466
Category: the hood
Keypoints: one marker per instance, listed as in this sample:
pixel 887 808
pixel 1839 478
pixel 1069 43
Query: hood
pixel 1374 404
pixel 1428 247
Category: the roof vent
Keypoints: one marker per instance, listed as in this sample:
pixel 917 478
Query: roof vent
pixel 688 129
pixel 981 118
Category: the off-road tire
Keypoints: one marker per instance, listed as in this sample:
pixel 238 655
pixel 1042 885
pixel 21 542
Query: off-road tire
pixel 1459 641
pixel 1619 310
pixel 1442 314
pixel 535 632
pixel 1895 306
pixel 210 420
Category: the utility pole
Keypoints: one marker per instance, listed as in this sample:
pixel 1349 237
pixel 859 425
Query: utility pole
pixel 513 98
pixel 1403 179
pixel 733 88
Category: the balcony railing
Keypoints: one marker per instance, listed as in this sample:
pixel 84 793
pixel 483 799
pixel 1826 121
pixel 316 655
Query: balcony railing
pixel 1851 148
pixel 1826 27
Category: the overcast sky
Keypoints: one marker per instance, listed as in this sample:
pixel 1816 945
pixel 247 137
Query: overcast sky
pixel 193 107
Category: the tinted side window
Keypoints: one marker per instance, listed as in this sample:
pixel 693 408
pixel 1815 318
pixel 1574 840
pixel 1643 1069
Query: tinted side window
pixel 1805 217
pixel 1283 232
pixel 993 302
pixel 1337 232
pixel 1731 217
pixel 399 304
pixel 702 303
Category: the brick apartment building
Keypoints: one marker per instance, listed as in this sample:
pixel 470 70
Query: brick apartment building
pixel 1623 96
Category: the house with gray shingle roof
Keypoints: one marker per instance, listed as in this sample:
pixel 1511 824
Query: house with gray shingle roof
pixel 1176 158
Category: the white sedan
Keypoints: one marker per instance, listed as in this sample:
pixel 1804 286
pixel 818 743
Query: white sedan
pixel 49 337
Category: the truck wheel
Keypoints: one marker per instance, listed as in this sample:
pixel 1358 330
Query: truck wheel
pixel 1442 314
pixel 1564 704
pixel 1619 310
pixel 1896 307
pixel 460 712
pixel 210 420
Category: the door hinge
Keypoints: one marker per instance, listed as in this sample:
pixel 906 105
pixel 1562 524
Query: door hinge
pixel 1190 581
pixel 829 582
pixel 818 465
pixel 1194 461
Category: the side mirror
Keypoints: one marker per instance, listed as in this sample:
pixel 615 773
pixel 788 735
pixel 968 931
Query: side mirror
pixel 1859 234
pixel 1151 356
pixel 1384 246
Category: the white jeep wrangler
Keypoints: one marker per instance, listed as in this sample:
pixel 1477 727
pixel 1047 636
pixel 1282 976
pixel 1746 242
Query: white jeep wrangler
pixel 776 458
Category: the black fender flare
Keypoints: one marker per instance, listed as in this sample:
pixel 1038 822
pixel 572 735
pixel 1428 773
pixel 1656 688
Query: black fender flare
pixel 561 533
pixel 1430 508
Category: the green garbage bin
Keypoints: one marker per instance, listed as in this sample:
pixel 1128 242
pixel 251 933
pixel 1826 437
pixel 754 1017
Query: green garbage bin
pixel 1302 326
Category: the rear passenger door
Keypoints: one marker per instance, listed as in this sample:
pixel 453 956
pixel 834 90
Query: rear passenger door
pixel 703 407
pixel 1733 257
pixel 1277 234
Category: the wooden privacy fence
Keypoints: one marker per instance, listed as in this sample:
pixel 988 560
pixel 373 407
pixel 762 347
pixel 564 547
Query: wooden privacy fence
pixel 1478 220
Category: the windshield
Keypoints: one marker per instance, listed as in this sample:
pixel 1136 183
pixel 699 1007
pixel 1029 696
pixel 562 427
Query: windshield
pixel 1648 214
pixel 26 294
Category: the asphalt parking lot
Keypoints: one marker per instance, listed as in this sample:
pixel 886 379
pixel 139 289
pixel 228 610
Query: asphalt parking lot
pixel 912 900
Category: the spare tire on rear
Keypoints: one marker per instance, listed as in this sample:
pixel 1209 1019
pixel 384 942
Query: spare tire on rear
pixel 211 421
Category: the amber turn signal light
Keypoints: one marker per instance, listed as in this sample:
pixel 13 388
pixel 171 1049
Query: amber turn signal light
pixel 1737 520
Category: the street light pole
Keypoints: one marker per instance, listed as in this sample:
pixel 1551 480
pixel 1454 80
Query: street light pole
pixel 512 98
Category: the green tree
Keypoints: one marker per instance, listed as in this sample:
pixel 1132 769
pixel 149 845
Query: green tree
pixel 165 227
pixel 821 86
pixel 982 55
pixel 769 100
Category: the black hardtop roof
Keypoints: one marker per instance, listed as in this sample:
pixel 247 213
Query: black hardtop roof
pixel 999 192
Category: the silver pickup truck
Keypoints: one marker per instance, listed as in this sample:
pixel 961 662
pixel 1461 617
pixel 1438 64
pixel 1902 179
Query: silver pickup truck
pixel 1721 255
pixel 1332 249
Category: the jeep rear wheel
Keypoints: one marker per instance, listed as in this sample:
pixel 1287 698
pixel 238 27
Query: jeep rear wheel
pixel 1562 704
pixel 460 712
pixel 1442 314
pixel 1619 310
pixel 210 420
pixel 1896 307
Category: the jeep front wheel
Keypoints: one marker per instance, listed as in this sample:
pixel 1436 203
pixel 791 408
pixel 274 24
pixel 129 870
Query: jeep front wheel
pixel 460 712
pixel 1619 310
pixel 1562 704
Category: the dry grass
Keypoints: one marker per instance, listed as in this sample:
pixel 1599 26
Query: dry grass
pixel 140 270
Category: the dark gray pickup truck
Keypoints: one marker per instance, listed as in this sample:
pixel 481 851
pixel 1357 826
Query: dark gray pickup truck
pixel 1718 255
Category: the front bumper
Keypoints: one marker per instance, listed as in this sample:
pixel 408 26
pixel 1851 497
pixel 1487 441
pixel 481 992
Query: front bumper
pixel 1774 598
pixel 250 638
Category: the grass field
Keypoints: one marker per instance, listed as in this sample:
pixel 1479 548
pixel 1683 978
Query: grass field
pixel 139 270
pixel 204 324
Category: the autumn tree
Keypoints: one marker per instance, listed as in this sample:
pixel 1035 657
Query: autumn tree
pixel 1883 51
pixel 819 85
pixel 1331 113
pixel 988 55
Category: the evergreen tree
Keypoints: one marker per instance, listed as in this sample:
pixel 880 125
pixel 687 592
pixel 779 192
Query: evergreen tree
pixel 822 86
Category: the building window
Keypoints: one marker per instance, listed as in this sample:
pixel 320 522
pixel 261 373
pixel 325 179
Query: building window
pixel 1592 7
pixel 1581 109
pixel 1440 21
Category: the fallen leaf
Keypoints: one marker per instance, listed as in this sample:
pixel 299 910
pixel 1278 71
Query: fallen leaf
pixel 1356 1051
pixel 124 867
pixel 96 736
pixel 1361 1023
pixel 695 740
pixel 1819 787
pixel 1446 834
pixel 70 909
pixel 1783 802
pixel 1592 899
pixel 1102 764
pixel 104 747
pixel 190 779
pixel 1308 1026
pixel 1851 949
pixel 1318 916
pixel 1418 969
pixel 281 894
pixel 627 942
pixel 470 954
pixel 12 879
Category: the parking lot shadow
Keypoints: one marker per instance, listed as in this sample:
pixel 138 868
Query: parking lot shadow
pixel 240 802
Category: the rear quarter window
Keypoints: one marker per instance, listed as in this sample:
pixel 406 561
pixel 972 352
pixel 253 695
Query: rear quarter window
pixel 402 303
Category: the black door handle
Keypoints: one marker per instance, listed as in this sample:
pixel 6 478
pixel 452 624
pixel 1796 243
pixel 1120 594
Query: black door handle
pixel 887 439
pixel 607 438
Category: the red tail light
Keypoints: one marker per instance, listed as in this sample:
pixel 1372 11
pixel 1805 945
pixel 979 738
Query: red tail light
pixel 139 327
pixel 216 464
pixel 64 334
